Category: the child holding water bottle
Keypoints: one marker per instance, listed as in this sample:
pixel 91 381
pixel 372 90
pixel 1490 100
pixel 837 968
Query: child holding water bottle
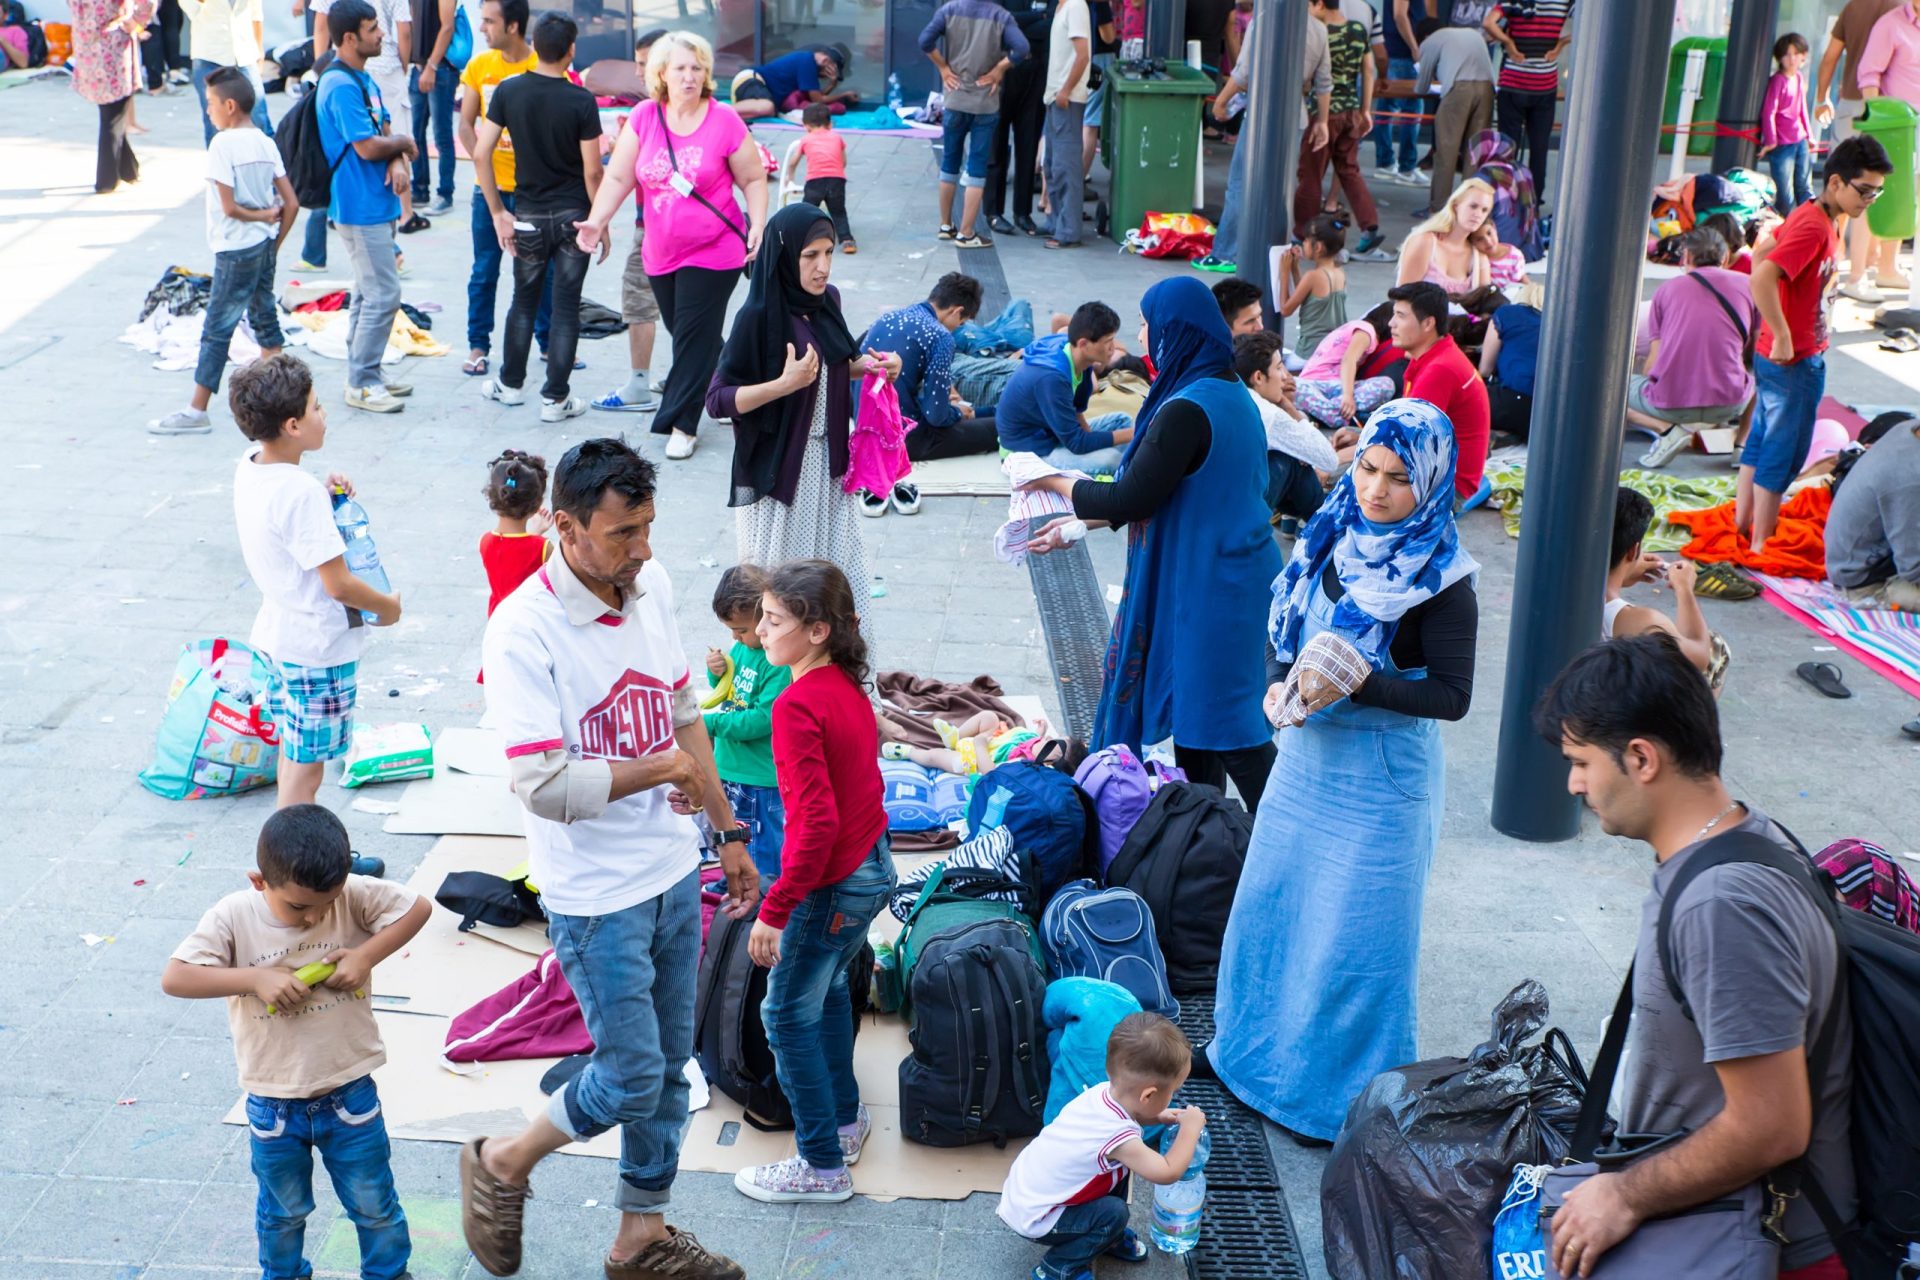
pixel 308 627
pixel 1064 1189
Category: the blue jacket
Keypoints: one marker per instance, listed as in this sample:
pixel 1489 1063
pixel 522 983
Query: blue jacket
pixel 1041 407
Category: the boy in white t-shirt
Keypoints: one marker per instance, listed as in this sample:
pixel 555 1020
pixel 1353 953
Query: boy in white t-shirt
pixel 309 620
pixel 307 1051
pixel 1063 1190
pixel 250 210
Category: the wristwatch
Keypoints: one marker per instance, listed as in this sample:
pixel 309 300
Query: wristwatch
pixel 738 835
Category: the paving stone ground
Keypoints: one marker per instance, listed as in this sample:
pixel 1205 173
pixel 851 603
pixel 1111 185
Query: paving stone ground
pixel 124 549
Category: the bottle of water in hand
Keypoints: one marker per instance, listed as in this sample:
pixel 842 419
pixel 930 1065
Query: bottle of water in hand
pixel 363 558
pixel 1175 1227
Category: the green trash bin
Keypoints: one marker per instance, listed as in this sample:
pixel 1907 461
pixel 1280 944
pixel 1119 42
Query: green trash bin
pixel 1153 126
pixel 1706 108
pixel 1891 217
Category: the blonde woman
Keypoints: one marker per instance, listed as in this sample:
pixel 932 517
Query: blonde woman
pixel 1509 356
pixel 1439 251
pixel 686 155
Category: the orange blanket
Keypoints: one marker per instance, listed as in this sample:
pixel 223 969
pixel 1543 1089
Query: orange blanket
pixel 1797 549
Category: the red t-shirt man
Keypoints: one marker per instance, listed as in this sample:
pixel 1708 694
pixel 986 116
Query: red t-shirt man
pixel 1804 250
pixel 1444 377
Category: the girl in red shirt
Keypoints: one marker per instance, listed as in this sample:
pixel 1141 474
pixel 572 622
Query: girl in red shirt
pixel 836 871
pixel 516 545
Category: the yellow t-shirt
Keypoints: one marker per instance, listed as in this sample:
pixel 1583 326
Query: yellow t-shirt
pixel 483 75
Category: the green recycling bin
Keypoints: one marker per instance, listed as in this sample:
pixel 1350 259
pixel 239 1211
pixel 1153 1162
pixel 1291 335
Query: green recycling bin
pixel 1706 108
pixel 1153 125
pixel 1893 123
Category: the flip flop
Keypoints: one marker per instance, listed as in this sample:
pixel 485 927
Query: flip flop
pixel 1912 729
pixel 475 368
pixel 1825 677
pixel 1129 1247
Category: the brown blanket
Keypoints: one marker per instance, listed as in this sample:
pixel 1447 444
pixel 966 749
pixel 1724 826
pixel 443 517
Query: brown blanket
pixel 910 704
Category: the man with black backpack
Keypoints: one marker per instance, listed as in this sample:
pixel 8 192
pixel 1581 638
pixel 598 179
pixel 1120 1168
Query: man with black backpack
pixel 370 167
pixel 1734 982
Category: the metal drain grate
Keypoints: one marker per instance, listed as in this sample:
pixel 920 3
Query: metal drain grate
pixel 1074 616
pixel 1238 1155
pixel 1246 1235
pixel 1196 1019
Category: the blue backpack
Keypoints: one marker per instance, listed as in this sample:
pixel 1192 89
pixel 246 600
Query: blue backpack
pixel 1051 821
pixel 1090 932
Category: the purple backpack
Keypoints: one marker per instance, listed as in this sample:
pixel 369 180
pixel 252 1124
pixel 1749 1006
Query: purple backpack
pixel 1120 789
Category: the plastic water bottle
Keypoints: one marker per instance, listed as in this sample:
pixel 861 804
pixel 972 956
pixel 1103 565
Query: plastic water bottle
pixel 363 558
pixel 1910 1269
pixel 1175 1226
pixel 894 99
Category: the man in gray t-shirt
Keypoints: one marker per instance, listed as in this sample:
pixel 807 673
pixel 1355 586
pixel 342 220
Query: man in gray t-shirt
pixel 1752 953
pixel 1873 530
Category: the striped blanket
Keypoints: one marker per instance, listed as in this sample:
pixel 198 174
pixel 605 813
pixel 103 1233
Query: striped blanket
pixel 1888 640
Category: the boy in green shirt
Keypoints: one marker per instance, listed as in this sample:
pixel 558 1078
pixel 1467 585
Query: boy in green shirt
pixel 741 721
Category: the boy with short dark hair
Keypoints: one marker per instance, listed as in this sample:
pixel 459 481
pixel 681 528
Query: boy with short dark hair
pixel 740 720
pixel 1239 305
pixel 1629 566
pixel 1043 411
pixel 305 1037
pixel 1298 456
pixel 308 626
pixel 1063 1190
pixel 250 210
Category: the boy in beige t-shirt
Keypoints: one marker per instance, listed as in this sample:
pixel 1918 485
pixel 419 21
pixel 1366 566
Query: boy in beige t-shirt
pixel 306 1054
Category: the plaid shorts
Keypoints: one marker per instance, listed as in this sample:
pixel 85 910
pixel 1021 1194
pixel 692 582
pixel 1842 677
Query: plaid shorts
pixel 313 709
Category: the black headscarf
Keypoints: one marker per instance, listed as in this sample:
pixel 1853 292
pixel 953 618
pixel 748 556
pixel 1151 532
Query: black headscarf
pixel 756 350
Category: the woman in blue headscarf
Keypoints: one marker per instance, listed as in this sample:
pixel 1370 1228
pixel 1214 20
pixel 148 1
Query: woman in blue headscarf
pixel 1184 659
pixel 1372 633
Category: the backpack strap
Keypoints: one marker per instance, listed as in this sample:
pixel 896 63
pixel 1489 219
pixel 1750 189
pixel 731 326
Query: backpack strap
pixel 975 1056
pixel 1606 1064
pixel 1021 1013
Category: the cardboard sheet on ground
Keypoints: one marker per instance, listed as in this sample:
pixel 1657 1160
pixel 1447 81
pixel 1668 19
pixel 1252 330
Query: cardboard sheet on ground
pixel 443 971
pixel 456 803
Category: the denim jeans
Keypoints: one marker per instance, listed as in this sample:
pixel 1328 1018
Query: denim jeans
pixel 1292 487
pixel 766 817
pixel 808 1012
pixel 633 972
pixel 1066 181
pixel 1792 176
pixel 1787 401
pixel 261 120
pixel 548 271
pixel 1403 135
pixel 484 281
pixel 1095 462
pixel 313 242
pixel 439 104
pixel 376 300
pixel 1227 234
pixel 242 284
pixel 973 134
pixel 346 1129
pixel 1082 1233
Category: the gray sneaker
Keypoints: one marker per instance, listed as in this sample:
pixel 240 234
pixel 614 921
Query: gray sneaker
pixel 1665 448
pixel 441 204
pixel 851 1142
pixel 181 422
pixel 794 1181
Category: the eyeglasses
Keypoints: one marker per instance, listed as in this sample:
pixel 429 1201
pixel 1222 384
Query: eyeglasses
pixel 1868 194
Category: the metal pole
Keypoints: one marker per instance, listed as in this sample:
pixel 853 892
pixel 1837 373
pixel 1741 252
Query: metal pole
pixel 1744 84
pixel 1593 294
pixel 1166 29
pixel 1271 134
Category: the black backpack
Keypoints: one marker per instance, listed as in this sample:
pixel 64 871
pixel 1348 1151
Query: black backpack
pixel 36 44
pixel 729 1039
pixel 308 166
pixel 978 1071
pixel 1880 968
pixel 488 899
pixel 1184 857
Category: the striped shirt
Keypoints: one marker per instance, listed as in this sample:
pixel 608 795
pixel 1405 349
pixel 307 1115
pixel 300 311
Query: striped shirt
pixel 1535 27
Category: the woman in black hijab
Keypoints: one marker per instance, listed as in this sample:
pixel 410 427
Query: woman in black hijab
pixel 785 379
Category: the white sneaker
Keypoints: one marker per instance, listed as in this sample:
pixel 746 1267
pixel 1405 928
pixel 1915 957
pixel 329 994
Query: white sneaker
pixel 399 390
pixel 680 445
pixel 1665 448
pixel 1409 178
pixel 373 400
pixel 561 410
pixel 494 389
pixel 182 422
pixel 872 505
pixel 1862 290
pixel 906 498
pixel 1385 173
pixel 440 205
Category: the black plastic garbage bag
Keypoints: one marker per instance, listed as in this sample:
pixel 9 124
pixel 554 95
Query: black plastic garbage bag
pixel 1417 1173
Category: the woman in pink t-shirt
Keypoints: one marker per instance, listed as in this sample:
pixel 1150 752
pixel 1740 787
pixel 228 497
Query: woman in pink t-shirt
pixel 685 154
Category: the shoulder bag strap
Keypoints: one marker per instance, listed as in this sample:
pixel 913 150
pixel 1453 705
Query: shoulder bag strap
pixel 1739 325
pixel 1606 1064
pixel 674 162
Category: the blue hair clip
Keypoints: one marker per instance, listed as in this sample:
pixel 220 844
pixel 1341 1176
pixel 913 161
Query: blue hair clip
pixel 512 483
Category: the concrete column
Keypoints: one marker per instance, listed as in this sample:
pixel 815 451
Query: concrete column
pixel 1744 84
pixel 1271 134
pixel 1586 345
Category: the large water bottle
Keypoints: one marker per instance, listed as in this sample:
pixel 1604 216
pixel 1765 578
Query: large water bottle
pixel 363 558
pixel 1175 1225
pixel 894 99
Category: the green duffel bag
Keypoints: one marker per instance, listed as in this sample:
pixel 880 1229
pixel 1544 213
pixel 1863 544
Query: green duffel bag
pixel 953 896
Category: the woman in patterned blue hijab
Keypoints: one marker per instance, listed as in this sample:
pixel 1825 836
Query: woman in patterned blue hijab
pixel 1386 568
